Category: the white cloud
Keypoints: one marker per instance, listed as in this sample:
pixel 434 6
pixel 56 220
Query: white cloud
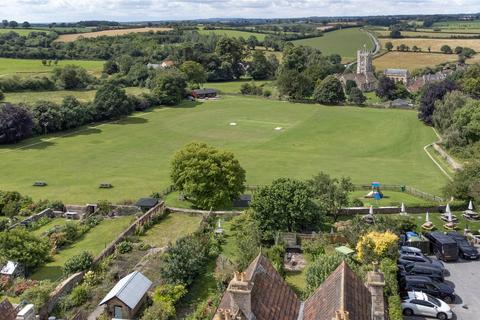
pixel 135 10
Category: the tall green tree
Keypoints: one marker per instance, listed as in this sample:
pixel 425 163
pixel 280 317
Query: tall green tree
pixel 22 246
pixel 210 178
pixel 329 91
pixel 285 205
pixel 169 86
pixel 260 67
pixel 194 72
pixel 110 102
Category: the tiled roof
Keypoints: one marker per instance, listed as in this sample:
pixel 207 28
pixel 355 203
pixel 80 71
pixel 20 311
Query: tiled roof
pixel 7 310
pixel 341 291
pixel 272 298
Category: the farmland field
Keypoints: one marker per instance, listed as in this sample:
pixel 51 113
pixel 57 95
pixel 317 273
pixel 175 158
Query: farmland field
pixel 411 60
pixel 10 66
pixel 93 241
pixel 234 33
pixel 425 34
pixel 434 44
pixel 345 42
pixel 118 32
pixel 22 32
pixel 134 154
pixel 458 25
pixel 31 97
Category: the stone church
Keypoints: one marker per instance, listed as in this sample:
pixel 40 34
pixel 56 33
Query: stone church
pixel 364 77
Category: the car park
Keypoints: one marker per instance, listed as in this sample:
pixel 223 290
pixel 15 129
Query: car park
pixel 422 304
pixel 465 249
pixel 425 284
pixel 421 269
pixel 415 257
pixel 443 246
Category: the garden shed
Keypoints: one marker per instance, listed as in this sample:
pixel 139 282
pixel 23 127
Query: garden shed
pixel 146 204
pixel 127 296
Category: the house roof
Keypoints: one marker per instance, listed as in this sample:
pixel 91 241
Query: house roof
pixel 341 291
pixel 168 63
pixel 147 202
pixel 204 91
pixel 396 72
pixel 9 268
pixel 7 310
pixel 130 289
pixel 272 298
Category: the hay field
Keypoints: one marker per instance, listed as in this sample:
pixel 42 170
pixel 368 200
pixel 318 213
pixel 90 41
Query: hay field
pixel 119 32
pixel 411 60
pixel 434 44
pixel 234 33
pixel 426 34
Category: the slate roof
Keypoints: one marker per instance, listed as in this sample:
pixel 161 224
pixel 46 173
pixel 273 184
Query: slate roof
pixel 147 202
pixel 397 72
pixel 130 289
pixel 9 268
pixel 342 290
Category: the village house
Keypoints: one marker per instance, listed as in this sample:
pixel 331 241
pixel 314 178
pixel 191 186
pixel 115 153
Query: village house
pixel 164 65
pixel 398 75
pixel 260 293
pixel 127 296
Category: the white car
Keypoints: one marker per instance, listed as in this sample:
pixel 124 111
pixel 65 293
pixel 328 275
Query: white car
pixel 422 304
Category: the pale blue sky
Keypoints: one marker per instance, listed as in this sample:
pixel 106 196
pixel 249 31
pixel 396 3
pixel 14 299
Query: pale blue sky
pixel 136 10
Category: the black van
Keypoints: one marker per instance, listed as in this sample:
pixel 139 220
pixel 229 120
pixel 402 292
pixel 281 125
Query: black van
pixel 419 269
pixel 443 246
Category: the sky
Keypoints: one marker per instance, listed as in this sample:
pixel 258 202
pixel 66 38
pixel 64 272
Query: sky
pixel 153 10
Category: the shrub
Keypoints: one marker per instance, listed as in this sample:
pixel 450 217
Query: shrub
pixel 79 295
pixel 357 203
pixel 38 294
pixel 104 207
pixel 16 123
pixel 21 285
pixel 394 308
pixel 2 95
pixel 376 245
pixel 276 255
pixel 124 247
pixel 313 248
pixel 78 263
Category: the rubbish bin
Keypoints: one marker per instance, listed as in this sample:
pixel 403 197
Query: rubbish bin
pixel 402 188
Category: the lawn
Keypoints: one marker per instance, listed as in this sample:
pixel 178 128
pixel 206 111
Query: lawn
pixel 31 97
pixel 51 224
pixel 93 241
pixel 434 44
pixel 411 60
pixel 345 42
pixel 134 154
pixel 392 198
pixel 172 227
pixel 9 66
pixel 234 86
pixel 235 33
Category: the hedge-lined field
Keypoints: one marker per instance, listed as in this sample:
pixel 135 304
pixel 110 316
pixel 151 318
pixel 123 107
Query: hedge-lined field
pixel 411 60
pixel 9 66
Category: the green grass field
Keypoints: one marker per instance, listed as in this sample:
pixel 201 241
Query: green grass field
pixel 345 42
pixel 93 241
pixel 171 227
pixel 22 32
pixel 458 25
pixel 10 66
pixel 392 198
pixel 51 224
pixel 31 97
pixel 235 33
pixel 134 154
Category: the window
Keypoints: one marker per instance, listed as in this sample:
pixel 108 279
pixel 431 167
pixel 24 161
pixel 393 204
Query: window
pixel 117 312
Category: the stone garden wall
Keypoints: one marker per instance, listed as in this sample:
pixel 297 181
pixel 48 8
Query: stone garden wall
pixel 45 213
pixel 68 284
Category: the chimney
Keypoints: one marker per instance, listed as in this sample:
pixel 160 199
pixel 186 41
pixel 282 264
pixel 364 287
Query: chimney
pixel 375 284
pixel 223 314
pixel 240 289
pixel 341 315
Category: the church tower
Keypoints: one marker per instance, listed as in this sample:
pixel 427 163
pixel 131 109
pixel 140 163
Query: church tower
pixel 364 61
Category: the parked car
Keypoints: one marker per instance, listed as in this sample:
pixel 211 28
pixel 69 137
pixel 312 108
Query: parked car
pixel 414 257
pixel 465 249
pixel 422 304
pixel 425 284
pixel 411 250
pixel 420 269
pixel 443 246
